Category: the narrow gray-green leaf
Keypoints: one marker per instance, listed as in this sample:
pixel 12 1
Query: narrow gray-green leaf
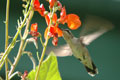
pixel 48 71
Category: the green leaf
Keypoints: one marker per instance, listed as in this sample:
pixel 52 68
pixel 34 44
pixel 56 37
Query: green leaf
pixel 48 71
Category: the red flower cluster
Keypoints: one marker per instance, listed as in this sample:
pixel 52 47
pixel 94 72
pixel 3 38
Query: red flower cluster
pixel 52 2
pixel 54 27
pixel 39 8
pixel 72 20
pixel 34 29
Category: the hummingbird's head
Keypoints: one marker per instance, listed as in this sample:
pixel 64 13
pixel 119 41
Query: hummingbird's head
pixel 67 34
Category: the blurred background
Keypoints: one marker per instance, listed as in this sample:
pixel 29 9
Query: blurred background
pixel 105 51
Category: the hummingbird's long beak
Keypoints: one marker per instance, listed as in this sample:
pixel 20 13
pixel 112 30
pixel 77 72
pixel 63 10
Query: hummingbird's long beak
pixel 65 29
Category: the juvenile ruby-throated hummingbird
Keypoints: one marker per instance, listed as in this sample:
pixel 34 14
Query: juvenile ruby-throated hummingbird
pixel 93 27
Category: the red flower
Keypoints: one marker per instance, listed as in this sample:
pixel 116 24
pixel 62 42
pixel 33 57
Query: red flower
pixel 59 5
pixel 34 27
pixel 47 18
pixel 52 2
pixel 62 16
pixel 39 8
pixel 33 31
pixel 72 20
pixel 53 30
pixel 55 39
pixel 36 5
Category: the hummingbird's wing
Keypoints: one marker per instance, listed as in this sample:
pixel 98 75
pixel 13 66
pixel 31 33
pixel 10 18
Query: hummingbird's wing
pixel 93 27
pixel 60 51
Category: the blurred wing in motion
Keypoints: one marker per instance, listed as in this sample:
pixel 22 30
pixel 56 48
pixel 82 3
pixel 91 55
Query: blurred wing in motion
pixel 93 27
pixel 60 51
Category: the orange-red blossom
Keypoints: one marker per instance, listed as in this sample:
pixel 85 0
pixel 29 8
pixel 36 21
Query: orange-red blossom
pixel 38 7
pixel 34 29
pixel 72 20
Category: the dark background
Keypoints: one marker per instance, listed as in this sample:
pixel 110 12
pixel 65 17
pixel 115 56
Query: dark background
pixel 105 51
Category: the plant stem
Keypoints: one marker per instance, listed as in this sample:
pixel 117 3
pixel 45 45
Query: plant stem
pixel 32 58
pixel 14 74
pixel 41 40
pixel 17 58
pixel 41 59
pixel 10 47
pixel 44 47
pixel 6 22
pixel 6 37
pixel 22 42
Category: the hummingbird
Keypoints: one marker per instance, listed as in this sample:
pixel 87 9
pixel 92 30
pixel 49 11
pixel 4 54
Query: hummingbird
pixel 92 28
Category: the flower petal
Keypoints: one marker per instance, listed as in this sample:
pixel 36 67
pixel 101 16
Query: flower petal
pixel 33 33
pixel 52 2
pixel 54 18
pixel 47 18
pixel 36 5
pixel 34 27
pixel 41 10
pixel 58 31
pixel 55 39
pixel 62 16
pixel 73 21
pixel 59 5
pixel 50 34
pixel 53 30
pixel 45 33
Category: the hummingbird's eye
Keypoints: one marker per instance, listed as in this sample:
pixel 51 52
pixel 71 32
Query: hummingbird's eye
pixel 68 31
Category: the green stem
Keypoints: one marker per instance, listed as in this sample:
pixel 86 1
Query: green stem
pixel 31 58
pixel 44 47
pixel 6 69
pixel 14 74
pixel 41 40
pixel 7 19
pixel 41 59
pixel 22 43
pixel 6 37
pixel 9 48
pixel 25 44
pixel 7 51
pixel 17 58
pixel 9 62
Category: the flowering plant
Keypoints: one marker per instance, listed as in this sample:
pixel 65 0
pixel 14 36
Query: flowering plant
pixel 49 66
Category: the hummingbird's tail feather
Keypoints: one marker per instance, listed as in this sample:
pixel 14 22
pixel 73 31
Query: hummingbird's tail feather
pixel 92 72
